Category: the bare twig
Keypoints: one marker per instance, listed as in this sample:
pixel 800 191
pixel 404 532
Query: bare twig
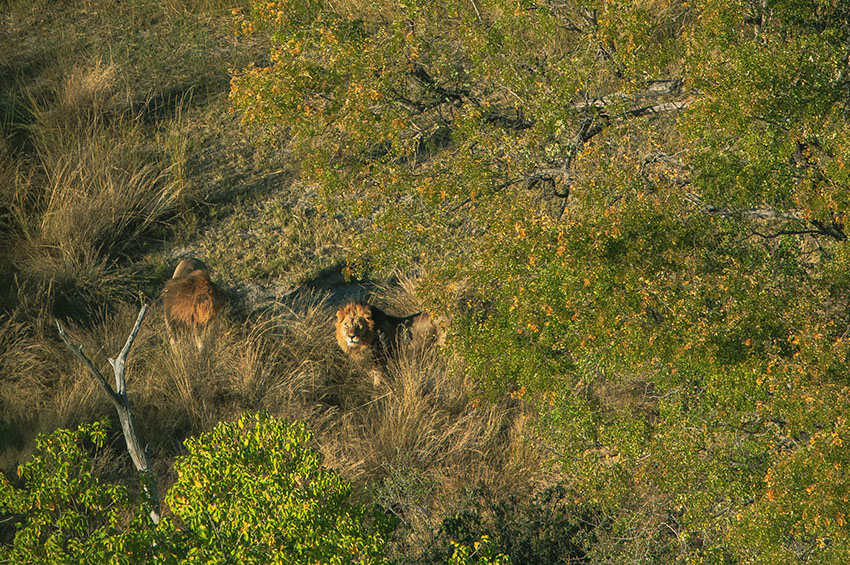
pixel 122 406
pixel 475 7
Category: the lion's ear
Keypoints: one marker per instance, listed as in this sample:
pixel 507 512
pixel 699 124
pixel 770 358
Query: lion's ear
pixel 340 314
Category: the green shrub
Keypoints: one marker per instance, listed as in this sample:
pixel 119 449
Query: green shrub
pixel 251 491
pixel 635 213
pixel 64 514
pixel 254 491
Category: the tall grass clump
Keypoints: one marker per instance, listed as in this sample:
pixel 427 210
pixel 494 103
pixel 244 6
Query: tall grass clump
pixel 43 384
pixel 94 185
pixel 421 440
pixel 8 174
pixel 289 364
pixel 22 362
pixel 103 181
pixel 281 362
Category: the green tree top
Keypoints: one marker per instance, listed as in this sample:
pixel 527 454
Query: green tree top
pixel 254 491
pixel 65 514
pixel 635 212
pixel 250 491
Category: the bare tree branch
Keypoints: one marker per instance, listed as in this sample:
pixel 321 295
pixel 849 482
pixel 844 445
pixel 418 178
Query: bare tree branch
pixel 654 89
pixel 750 213
pixel 657 109
pixel 78 351
pixel 118 363
pixel 122 406
pixel 834 230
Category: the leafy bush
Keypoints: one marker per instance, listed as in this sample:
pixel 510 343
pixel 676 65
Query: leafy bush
pixel 254 491
pixel 64 514
pixel 251 491
pixel 635 213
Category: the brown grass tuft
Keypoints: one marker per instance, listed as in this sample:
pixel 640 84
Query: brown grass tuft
pixel 100 185
pixel 80 200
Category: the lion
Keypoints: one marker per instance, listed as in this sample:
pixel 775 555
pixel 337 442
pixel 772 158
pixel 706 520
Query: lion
pixel 190 299
pixel 363 330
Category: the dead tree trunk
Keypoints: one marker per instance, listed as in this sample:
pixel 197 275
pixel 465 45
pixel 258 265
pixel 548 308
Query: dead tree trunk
pixel 122 405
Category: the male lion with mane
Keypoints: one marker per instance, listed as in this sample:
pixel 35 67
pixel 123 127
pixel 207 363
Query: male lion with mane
pixel 190 299
pixel 362 329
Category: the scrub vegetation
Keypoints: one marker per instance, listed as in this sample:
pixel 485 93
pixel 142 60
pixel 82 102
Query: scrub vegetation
pixel 631 216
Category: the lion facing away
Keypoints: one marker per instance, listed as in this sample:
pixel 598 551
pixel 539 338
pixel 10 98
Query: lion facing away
pixel 362 330
pixel 190 299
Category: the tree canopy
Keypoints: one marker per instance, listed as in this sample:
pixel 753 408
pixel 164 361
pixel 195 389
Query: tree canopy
pixel 634 212
pixel 249 491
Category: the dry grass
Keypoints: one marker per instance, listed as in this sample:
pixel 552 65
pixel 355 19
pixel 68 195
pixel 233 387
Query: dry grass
pixel 44 387
pixel 422 441
pixel 398 293
pixel 415 437
pixel 268 364
pixel 23 360
pixel 100 184
pixel 277 238
pixel 8 192
pixel 81 199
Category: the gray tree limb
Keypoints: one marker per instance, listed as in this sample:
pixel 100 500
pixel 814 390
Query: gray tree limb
pixel 834 230
pixel 654 89
pixel 118 396
pixel 750 213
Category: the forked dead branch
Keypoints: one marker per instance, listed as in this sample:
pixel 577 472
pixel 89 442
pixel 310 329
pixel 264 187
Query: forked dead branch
pixel 119 399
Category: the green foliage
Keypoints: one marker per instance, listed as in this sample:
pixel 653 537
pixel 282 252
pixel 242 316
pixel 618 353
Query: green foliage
pixel 772 116
pixel 254 491
pixel 540 528
pixel 803 512
pixel 635 212
pixel 481 553
pixel 66 515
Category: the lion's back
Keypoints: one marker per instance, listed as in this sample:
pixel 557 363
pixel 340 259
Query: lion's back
pixel 192 299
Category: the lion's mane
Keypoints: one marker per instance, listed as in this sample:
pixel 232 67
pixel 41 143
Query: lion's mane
pixel 190 298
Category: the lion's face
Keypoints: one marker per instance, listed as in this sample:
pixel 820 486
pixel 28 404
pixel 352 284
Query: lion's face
pixel 355 328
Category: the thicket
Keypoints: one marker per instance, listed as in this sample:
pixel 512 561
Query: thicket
pixel 250 491
pixel 635 213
